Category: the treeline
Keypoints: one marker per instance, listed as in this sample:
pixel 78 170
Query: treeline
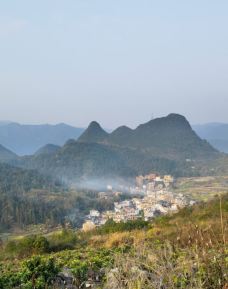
pixel 27 197
pixel 15 180
pixel 22 200
pixel 38 244
pixel 24 210
pixel 44 207
pixel 112 227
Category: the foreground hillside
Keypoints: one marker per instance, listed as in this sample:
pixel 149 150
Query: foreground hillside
pixel 185 250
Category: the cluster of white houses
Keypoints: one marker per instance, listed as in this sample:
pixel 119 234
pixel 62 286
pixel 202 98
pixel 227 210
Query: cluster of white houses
pixel 151 183
pixel 157 199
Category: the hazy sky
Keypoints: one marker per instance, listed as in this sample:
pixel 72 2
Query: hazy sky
pixel 114 61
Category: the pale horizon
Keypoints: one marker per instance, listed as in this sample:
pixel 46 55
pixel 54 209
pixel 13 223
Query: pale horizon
pixel 103 125
pixel 114 62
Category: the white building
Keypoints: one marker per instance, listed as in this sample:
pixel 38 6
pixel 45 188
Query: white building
pixel 94 214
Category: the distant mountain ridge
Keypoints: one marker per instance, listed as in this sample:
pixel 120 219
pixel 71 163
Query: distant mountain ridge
pixel 47 149
pixel 215 133
pixel 6 155
pixel 170 137
pixel 163 145
pixel 94 133
pixel 27 139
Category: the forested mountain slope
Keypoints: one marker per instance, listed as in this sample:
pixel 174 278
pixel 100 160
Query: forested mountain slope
pixel 169 137
pixel 164 145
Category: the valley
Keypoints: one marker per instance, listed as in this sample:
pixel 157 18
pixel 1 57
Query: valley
pixel 113 144
pixel 109 202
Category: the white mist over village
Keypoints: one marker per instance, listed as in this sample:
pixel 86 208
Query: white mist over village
pixel 156 199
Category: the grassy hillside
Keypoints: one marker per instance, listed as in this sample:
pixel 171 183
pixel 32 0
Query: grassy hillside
pixel 185 250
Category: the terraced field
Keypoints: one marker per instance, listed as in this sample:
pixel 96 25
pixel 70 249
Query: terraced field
pixel 202 188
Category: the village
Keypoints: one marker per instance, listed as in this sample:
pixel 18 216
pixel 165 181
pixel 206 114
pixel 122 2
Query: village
pixel 156 198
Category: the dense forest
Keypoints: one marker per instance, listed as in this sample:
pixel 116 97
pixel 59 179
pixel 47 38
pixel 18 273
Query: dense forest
pixel 20 196
pixel 27 197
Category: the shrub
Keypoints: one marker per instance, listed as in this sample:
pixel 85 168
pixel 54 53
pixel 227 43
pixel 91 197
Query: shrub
pixel 27 246
pixel 67 239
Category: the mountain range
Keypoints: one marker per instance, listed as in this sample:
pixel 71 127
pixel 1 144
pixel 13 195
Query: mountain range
pixel 27 139
pixel 163 145
pixel 6 155
pixel 171 137
pixel 215 133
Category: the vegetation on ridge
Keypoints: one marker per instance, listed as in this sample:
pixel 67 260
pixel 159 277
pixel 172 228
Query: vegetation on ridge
pixel 164 145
